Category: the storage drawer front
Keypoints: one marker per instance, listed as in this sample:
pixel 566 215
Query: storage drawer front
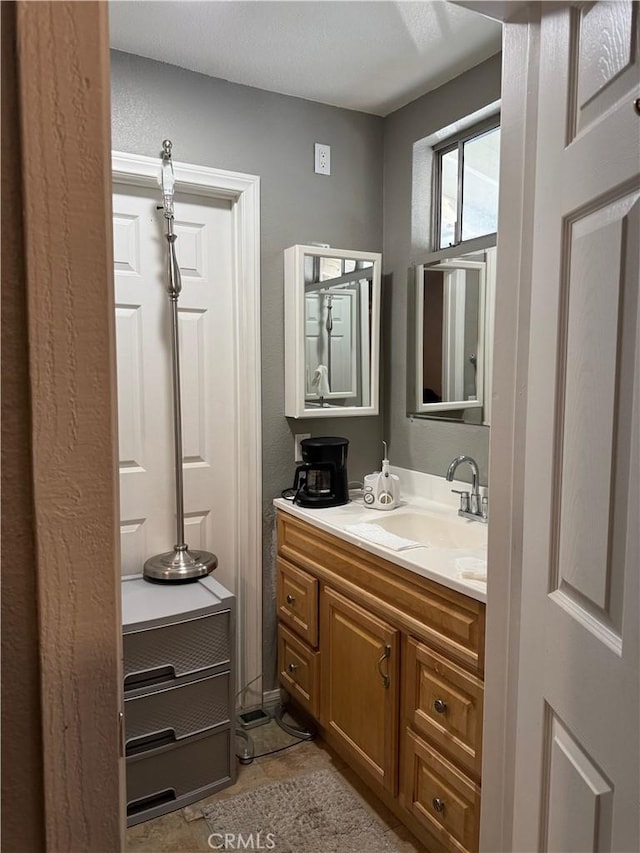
pixel 176 712
pixel 441 797
pixel 178 771
pixel 161 654
pixel 444 703
pixel 299 670
pixel 298 601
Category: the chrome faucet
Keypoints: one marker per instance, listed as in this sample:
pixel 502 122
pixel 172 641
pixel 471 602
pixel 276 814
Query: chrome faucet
pixel 473 505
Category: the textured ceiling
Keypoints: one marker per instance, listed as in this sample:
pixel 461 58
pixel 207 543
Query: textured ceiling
pixel 369 56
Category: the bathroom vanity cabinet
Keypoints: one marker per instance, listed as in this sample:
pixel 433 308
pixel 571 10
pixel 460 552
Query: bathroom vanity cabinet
pixel 390 666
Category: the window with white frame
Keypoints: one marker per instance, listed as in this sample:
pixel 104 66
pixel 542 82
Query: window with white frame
pixel 466 174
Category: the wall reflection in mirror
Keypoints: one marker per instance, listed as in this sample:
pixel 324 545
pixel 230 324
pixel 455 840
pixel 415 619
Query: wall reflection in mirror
pixel 452 349
pixel 332 311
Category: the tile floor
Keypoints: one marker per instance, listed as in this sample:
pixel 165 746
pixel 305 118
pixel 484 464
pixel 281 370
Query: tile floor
pixel 186 831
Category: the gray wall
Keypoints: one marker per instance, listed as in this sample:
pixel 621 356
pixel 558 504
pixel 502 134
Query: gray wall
pixel 422 445
pixel 215 123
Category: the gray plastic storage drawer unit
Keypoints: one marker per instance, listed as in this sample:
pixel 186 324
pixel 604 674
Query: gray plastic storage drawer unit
pixel 179 676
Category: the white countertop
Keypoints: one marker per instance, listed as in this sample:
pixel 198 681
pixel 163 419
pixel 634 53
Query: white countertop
pixel 420 493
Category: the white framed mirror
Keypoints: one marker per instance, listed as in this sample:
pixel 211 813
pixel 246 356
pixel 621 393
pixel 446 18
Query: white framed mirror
pixel 332 332
pixel 453 333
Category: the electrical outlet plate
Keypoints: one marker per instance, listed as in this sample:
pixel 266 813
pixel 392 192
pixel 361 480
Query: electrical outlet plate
pixel 322 159
pixel 297 455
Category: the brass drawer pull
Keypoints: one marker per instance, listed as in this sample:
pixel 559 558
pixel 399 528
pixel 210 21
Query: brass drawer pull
pixel 438 804
pixel 292 667
pixel 440 705
pixel 291 599
pixel 386 654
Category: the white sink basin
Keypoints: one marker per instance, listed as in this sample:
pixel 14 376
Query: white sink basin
pixel 433 531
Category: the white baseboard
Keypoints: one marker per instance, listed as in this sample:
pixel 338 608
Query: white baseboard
pixel 270 698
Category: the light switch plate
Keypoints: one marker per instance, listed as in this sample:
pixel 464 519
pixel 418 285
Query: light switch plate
pixel 322 159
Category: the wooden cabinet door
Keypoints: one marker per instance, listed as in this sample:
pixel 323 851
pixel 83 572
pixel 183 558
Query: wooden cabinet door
pixel 360 685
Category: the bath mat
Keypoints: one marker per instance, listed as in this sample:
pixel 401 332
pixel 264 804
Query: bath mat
pixel 315 813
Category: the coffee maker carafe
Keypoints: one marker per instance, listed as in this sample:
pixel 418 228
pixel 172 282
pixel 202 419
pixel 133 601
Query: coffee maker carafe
pixel 321 481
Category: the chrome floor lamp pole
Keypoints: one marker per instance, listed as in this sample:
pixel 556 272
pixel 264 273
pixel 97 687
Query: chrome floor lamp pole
pixel 181 564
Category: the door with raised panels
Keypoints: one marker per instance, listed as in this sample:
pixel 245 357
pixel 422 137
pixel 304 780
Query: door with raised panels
pixel 208 364
pixel 577 748
pixel 331 340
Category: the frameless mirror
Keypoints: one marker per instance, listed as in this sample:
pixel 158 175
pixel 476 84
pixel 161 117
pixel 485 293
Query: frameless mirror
pixel 332 322
pixel 454 316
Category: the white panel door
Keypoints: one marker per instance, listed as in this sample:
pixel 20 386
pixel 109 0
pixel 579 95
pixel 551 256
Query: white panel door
pixel 342 340
pixel 208 365
pixel 336 348
pixel 577 744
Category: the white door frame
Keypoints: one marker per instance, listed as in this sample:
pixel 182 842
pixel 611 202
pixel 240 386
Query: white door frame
pixel 508 438
pixel 244 193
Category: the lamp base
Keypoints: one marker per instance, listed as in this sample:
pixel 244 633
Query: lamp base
pixel 179 565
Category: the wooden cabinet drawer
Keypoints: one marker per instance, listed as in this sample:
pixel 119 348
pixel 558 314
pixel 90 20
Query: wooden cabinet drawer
pixel 444 703
pixel 298 601
pixel 299 670
pixel 442 798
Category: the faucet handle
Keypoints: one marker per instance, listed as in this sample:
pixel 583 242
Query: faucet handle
pixel 484 507
pixel 464 499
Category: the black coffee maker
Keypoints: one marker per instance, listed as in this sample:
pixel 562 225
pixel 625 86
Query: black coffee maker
pixel 322 480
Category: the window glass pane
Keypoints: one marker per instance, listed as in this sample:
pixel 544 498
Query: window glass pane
pixel 448 197
pixel 480 185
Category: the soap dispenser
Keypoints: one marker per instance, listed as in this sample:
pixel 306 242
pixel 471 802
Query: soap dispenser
pixel 382 488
